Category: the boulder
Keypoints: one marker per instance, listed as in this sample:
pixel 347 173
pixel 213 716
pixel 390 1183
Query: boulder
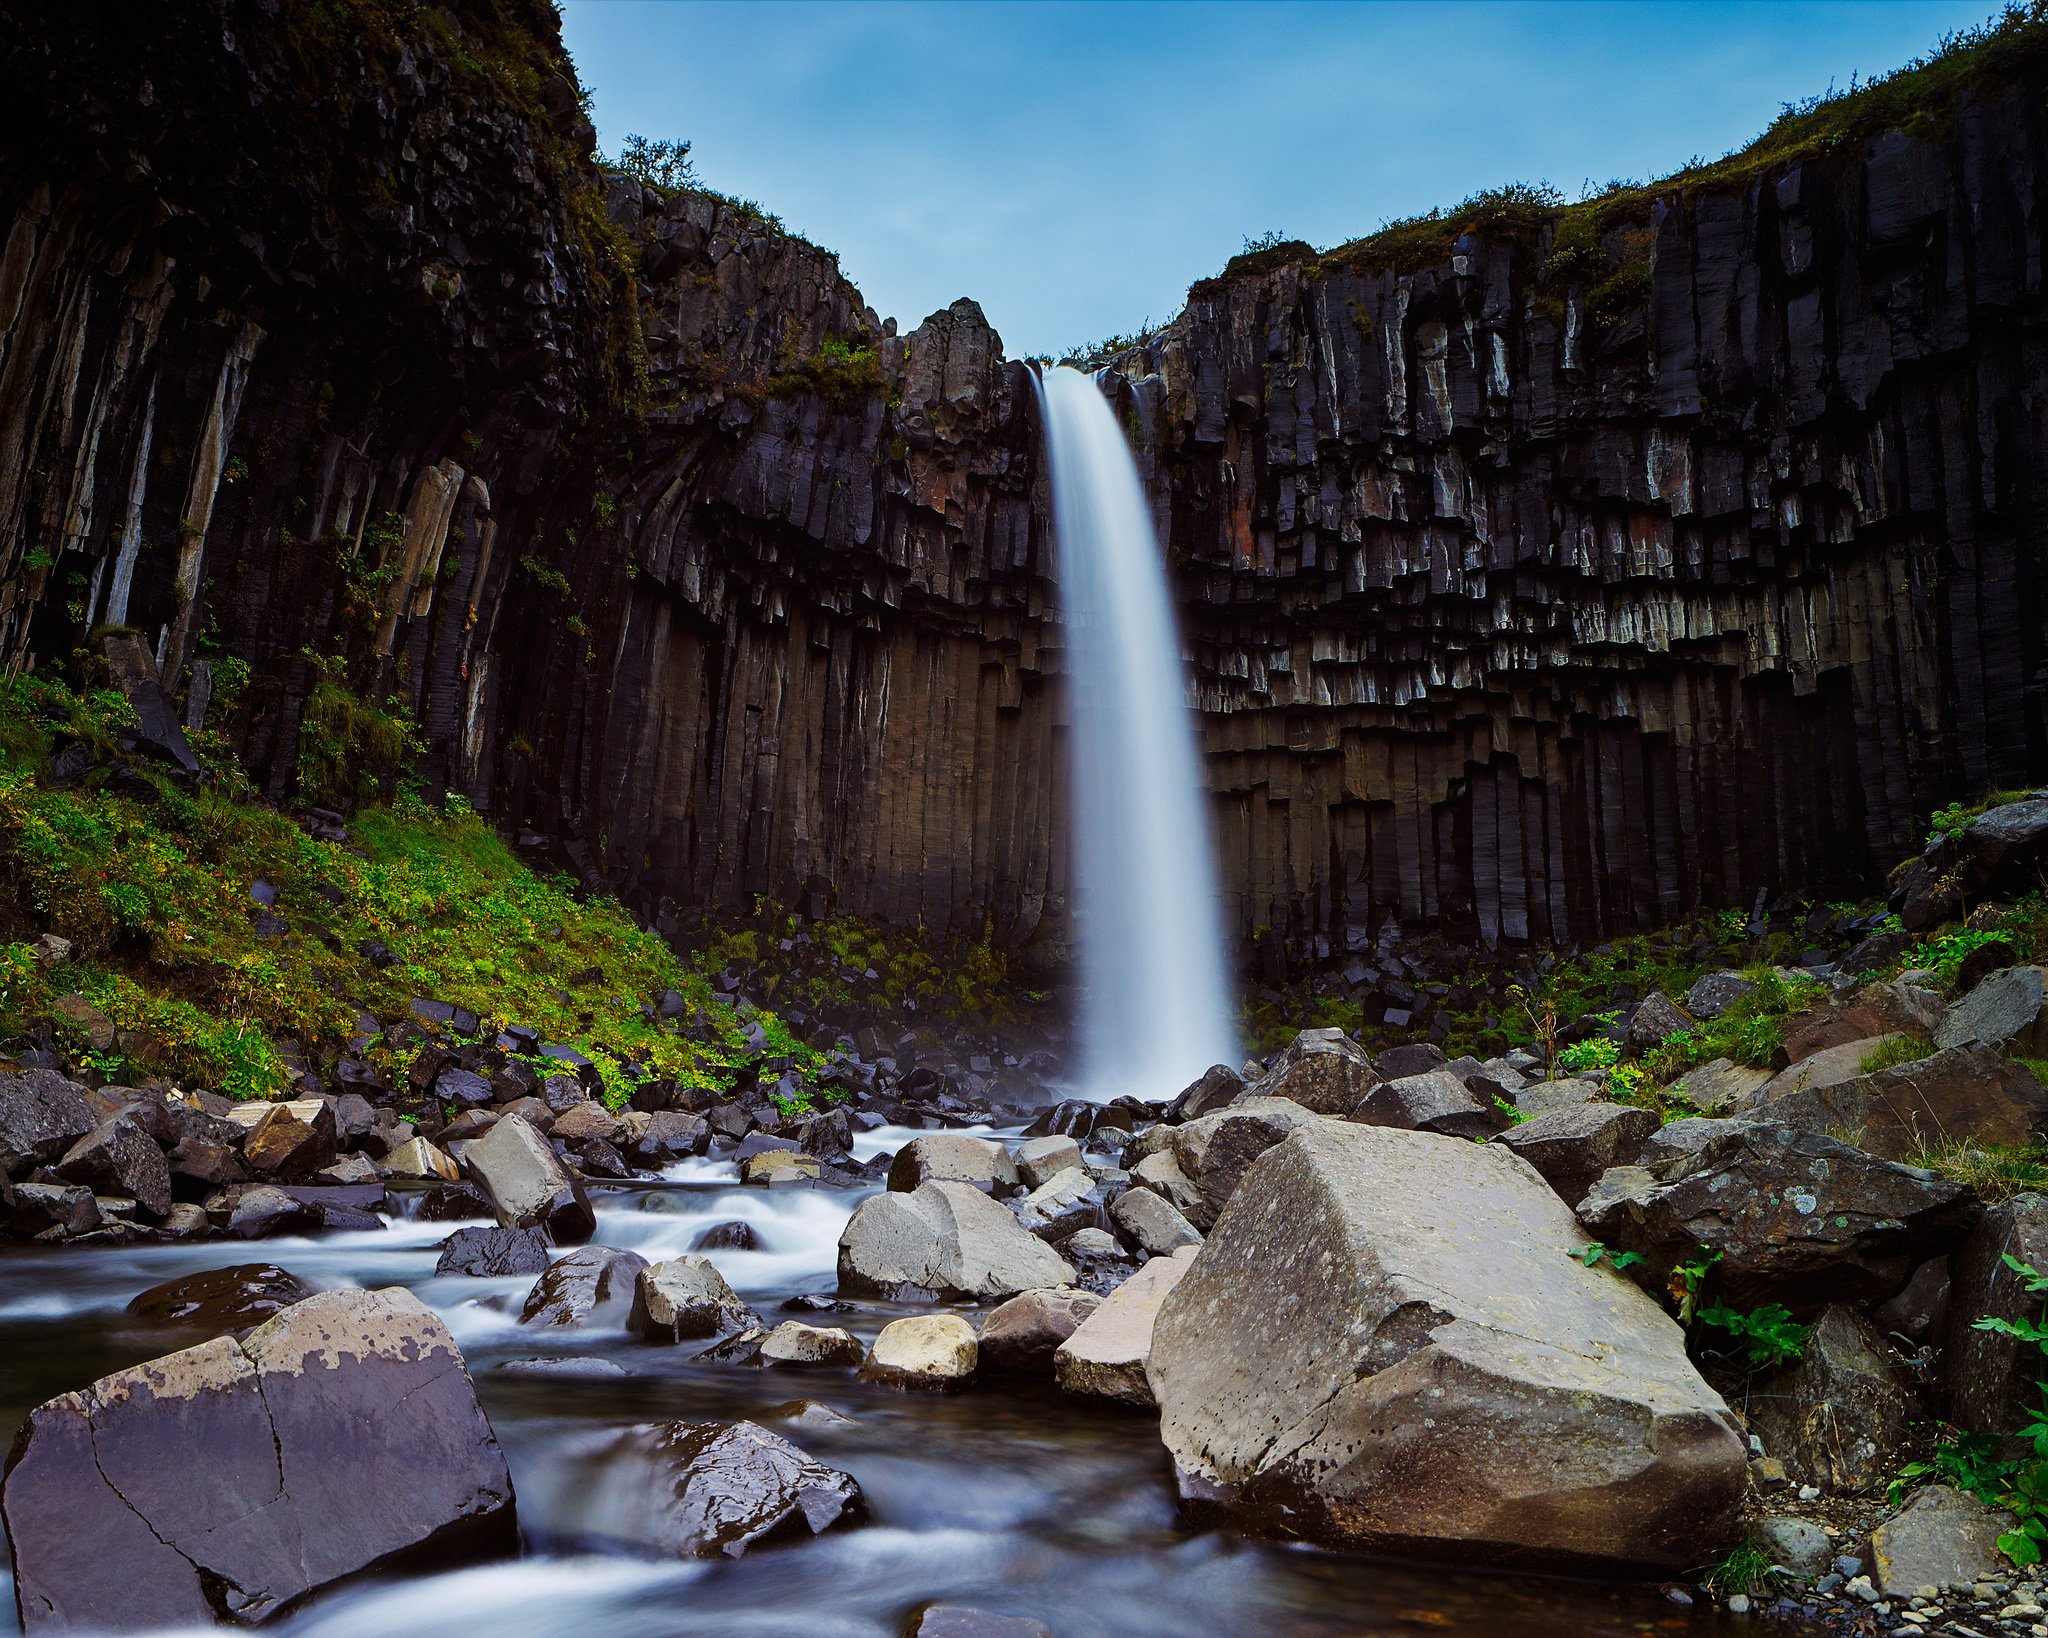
pixel 86 1020
pixel 1825 1067
pixel 2008 1010
pixel 593 1285
pixel 1019 1337
pixel 1797 1217
pixel 1962 1094
pixel 1322 1070
pixel 795 1343
pixel 493 1253
pixel 220 1484
pixel 781 1169
pixel 1388 1342
pixel 1214 1150
pixel 527 1185
pixel 1066 1201
pixel 416 1157
pixel 1106 1356
pixel 1572 1147
pixel 55 1209
pixel 734 1235
pixel 685 1299
pixel 1940 1536
pixel 292 1141
pixel 1682 1137
pixel 1653 1022
pixel 668 1135
pixel 1838 1418
pixel 118 1158
pixel 582 1121
pixel 41 1115
pixel 1100 1265
pixel 1795 1544
pixel 1986 1379
pixel 1410 1058
pixel 1151 1224
pixel 943 1240
pixel 1916 1315
pixel 923 1351
pixel 951 1157
pixel 1219 1085
pixel 1716 1087
pixel 1714 993
pixel 1040 1160
pixel 1569 1092
pixel 221 1300
pixel 1161 1174
pixel 722 1488
pixel 1435 1101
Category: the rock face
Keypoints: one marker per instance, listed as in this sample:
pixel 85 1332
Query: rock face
pixel 723 1489
pixel 1386 1342
pixel 225 1481
pixel 1797 1218
pixel 944 1240
pixel 1538 583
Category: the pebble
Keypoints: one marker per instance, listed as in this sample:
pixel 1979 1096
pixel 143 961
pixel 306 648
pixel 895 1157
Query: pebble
pixel 1861 1588
pixel 2020 1612
pixel 1738 1605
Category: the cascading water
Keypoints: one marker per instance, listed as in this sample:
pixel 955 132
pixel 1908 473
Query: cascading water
pixel 1157 1008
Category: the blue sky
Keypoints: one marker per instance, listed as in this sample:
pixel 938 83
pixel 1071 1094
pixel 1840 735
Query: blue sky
pixel 1073 166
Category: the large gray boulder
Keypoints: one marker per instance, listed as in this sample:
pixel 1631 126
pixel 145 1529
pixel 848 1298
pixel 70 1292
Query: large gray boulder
pixel 528 1185
pixel 1106 1357
pixel 1963 1094
pixel 1388 1342
pixel 219 1484
pixel 1572 1147
pixel 1434 1101
pixel 1796 1217
pixel 943 1240
pixel 1323 1070
pixel 686 1299
pixel 41 1115
pixel 593 1285
pixel 1940 1537
pixel 2008 1010
pixel 1214 1150
pixel 951 1157
pixel 117 1157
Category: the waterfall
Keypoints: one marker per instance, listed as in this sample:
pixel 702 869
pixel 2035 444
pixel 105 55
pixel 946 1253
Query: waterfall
pixel 1157 1007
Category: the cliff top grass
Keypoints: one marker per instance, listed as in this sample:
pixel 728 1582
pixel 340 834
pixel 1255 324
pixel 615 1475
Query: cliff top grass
pixel 1919 96
pixel 152 883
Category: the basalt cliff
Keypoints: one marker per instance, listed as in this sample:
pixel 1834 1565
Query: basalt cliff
pixel 1546 572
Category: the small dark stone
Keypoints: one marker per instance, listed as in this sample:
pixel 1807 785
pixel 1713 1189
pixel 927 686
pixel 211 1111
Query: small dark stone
pixel 490 1253
pixel 731 1236
pixel 221 1300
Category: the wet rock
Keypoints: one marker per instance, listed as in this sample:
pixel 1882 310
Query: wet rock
pixel 493 1253
pixel 809 1414
pixel 945 1240
pixel 964 1621
pixel 58 1209
pixel 781 1169
pixel 118 1157
pixel 1040 1160
pixel 260 1210
pixel 2008 1010
pixel 1219 1085
pixel 292 1141
pixel 1020 1336
pixel 575 1367
pixel 923 1351
pixel 1653 1022
pixel 1322 1070
pixel 1987 1379
pixel 1963 1094
pixel 686 1300
pixel 593 1285
pixel 1100 1265
pixel 1106 1356
pixel 1214 1151
pixel 1716 1087
pixel 1436 1101
pixel 1798 1218
pixel 730 1236
pixel 1153 1225
pixel 1336 1365
pixel 41 1115
pixel 453 1203
pixel 951 1157
pixel 527 1185
pixel 228 1480
pixel 1714 993
pixel 795 1343
pixel 1940 1536
pixel 1838 1418
pixel 1572 1147
pixel 722 1489
pixel 221 1300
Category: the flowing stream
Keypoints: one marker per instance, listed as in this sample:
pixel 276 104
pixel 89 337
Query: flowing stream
pixel 1157 1008
pixel 1005 1496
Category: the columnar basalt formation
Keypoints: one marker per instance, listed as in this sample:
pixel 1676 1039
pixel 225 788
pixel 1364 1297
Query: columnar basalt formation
pixel 1539 585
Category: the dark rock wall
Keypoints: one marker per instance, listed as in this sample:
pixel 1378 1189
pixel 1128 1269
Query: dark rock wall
pixel 1515 611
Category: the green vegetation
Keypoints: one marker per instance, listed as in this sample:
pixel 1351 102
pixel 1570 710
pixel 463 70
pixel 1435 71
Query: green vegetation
pixel 1769 1335
pixel 1745 1568
pixel 1989 1469
pixel 1957 815
pixel 1996 1171
pixel 663 166
pixel 1945 953
pixel 840 372
pixel 152 884
pixel 1595 1254
pixel 1749 1032
pixel 1596 1052
pixel 1900 1049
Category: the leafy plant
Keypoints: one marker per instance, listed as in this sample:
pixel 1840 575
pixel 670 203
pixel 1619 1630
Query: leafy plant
pixel 1596 1052
pixel 1995 1171
pixel 1596 1254
pixel 1686 1281
pixel 1769 1335
pixel 662 165
pixel 1742 1569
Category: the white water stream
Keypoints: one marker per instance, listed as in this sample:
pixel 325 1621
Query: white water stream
pixel 1157 1008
